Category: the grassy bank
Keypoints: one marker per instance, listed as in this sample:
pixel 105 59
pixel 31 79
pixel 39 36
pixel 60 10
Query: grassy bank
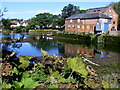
pixel 30 31
pixel 92 38
pixel 45 30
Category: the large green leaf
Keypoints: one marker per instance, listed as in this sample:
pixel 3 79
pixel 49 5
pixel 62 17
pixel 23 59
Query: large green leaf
pixel 29 83
pixel 105 84
pixel 63 80
pixel 26 74
pixel 6 85
pixel 17 84
pixel 77 65
pixel 15 71
pixel 24 61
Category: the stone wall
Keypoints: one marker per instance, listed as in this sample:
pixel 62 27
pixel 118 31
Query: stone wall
pixel 114 33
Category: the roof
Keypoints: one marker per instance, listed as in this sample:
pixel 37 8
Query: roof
pixel 99 9
pixel 88 16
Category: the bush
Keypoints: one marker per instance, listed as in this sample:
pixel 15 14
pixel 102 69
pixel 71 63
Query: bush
pixel 21 29
pixel 101 39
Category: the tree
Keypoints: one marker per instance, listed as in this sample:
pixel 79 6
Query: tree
pixel 6 23
pixel 2 12
pixel 47 20
pixel 54 20
pixel 44 20
pixel 116 7
pixel 32 23
pixel 69 10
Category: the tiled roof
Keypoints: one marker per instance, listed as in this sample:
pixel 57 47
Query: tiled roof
pixel 99 9
pixel 88 16
pixel 75 16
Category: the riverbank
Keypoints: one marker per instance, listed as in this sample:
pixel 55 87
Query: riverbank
pixel 33 31
pixel 92 38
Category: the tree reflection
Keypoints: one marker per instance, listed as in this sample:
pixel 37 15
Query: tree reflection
pixel 11 42
pixel 44 44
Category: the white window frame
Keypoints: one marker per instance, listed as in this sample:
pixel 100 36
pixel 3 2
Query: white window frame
pixel 78 26
pixel 78 20
pixel 110 10
pixel 69 26
pixel 70 20
pixel 73 25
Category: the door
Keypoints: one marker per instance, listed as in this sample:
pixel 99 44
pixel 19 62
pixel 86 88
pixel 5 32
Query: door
pixel 106 27
pixel 98 26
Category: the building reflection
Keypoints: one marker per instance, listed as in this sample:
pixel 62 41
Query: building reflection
pixel 75 50
pixel 98 56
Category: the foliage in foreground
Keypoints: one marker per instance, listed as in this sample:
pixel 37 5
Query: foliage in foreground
pixel 48 71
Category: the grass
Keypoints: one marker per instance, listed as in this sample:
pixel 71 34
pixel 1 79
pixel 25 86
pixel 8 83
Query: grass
pixel 45 30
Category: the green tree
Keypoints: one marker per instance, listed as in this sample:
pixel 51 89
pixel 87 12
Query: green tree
pixel 69 10
pixel 116 7
pixel 47 20
pixel 32 23
pixel 54 20
pixel 6 23
pixel 44 20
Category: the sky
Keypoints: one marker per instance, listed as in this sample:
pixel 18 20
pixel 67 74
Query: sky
pixel 26 10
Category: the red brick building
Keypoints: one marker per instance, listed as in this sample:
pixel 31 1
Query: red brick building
pixel 94 20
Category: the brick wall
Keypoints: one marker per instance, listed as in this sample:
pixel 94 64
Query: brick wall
pixel 82 26
pixel 115 17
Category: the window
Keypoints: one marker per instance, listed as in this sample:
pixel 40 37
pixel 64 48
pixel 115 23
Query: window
pixel 73 25
pixel 110 10
pixel 69 26
pixel 71 20
pixel 109 20
pixel 78 20
pixel 98 10
pixel 110 15
pixel 113 16
pixel 88 27
pixel 83 27
pixel 113 22
pixel 78 26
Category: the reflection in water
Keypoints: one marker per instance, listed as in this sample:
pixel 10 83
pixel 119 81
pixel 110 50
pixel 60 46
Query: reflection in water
pixel 32 44
pixel 75 50
pixel 101 54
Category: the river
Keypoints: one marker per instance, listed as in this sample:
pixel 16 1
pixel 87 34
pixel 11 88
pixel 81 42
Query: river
pixel 106 56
